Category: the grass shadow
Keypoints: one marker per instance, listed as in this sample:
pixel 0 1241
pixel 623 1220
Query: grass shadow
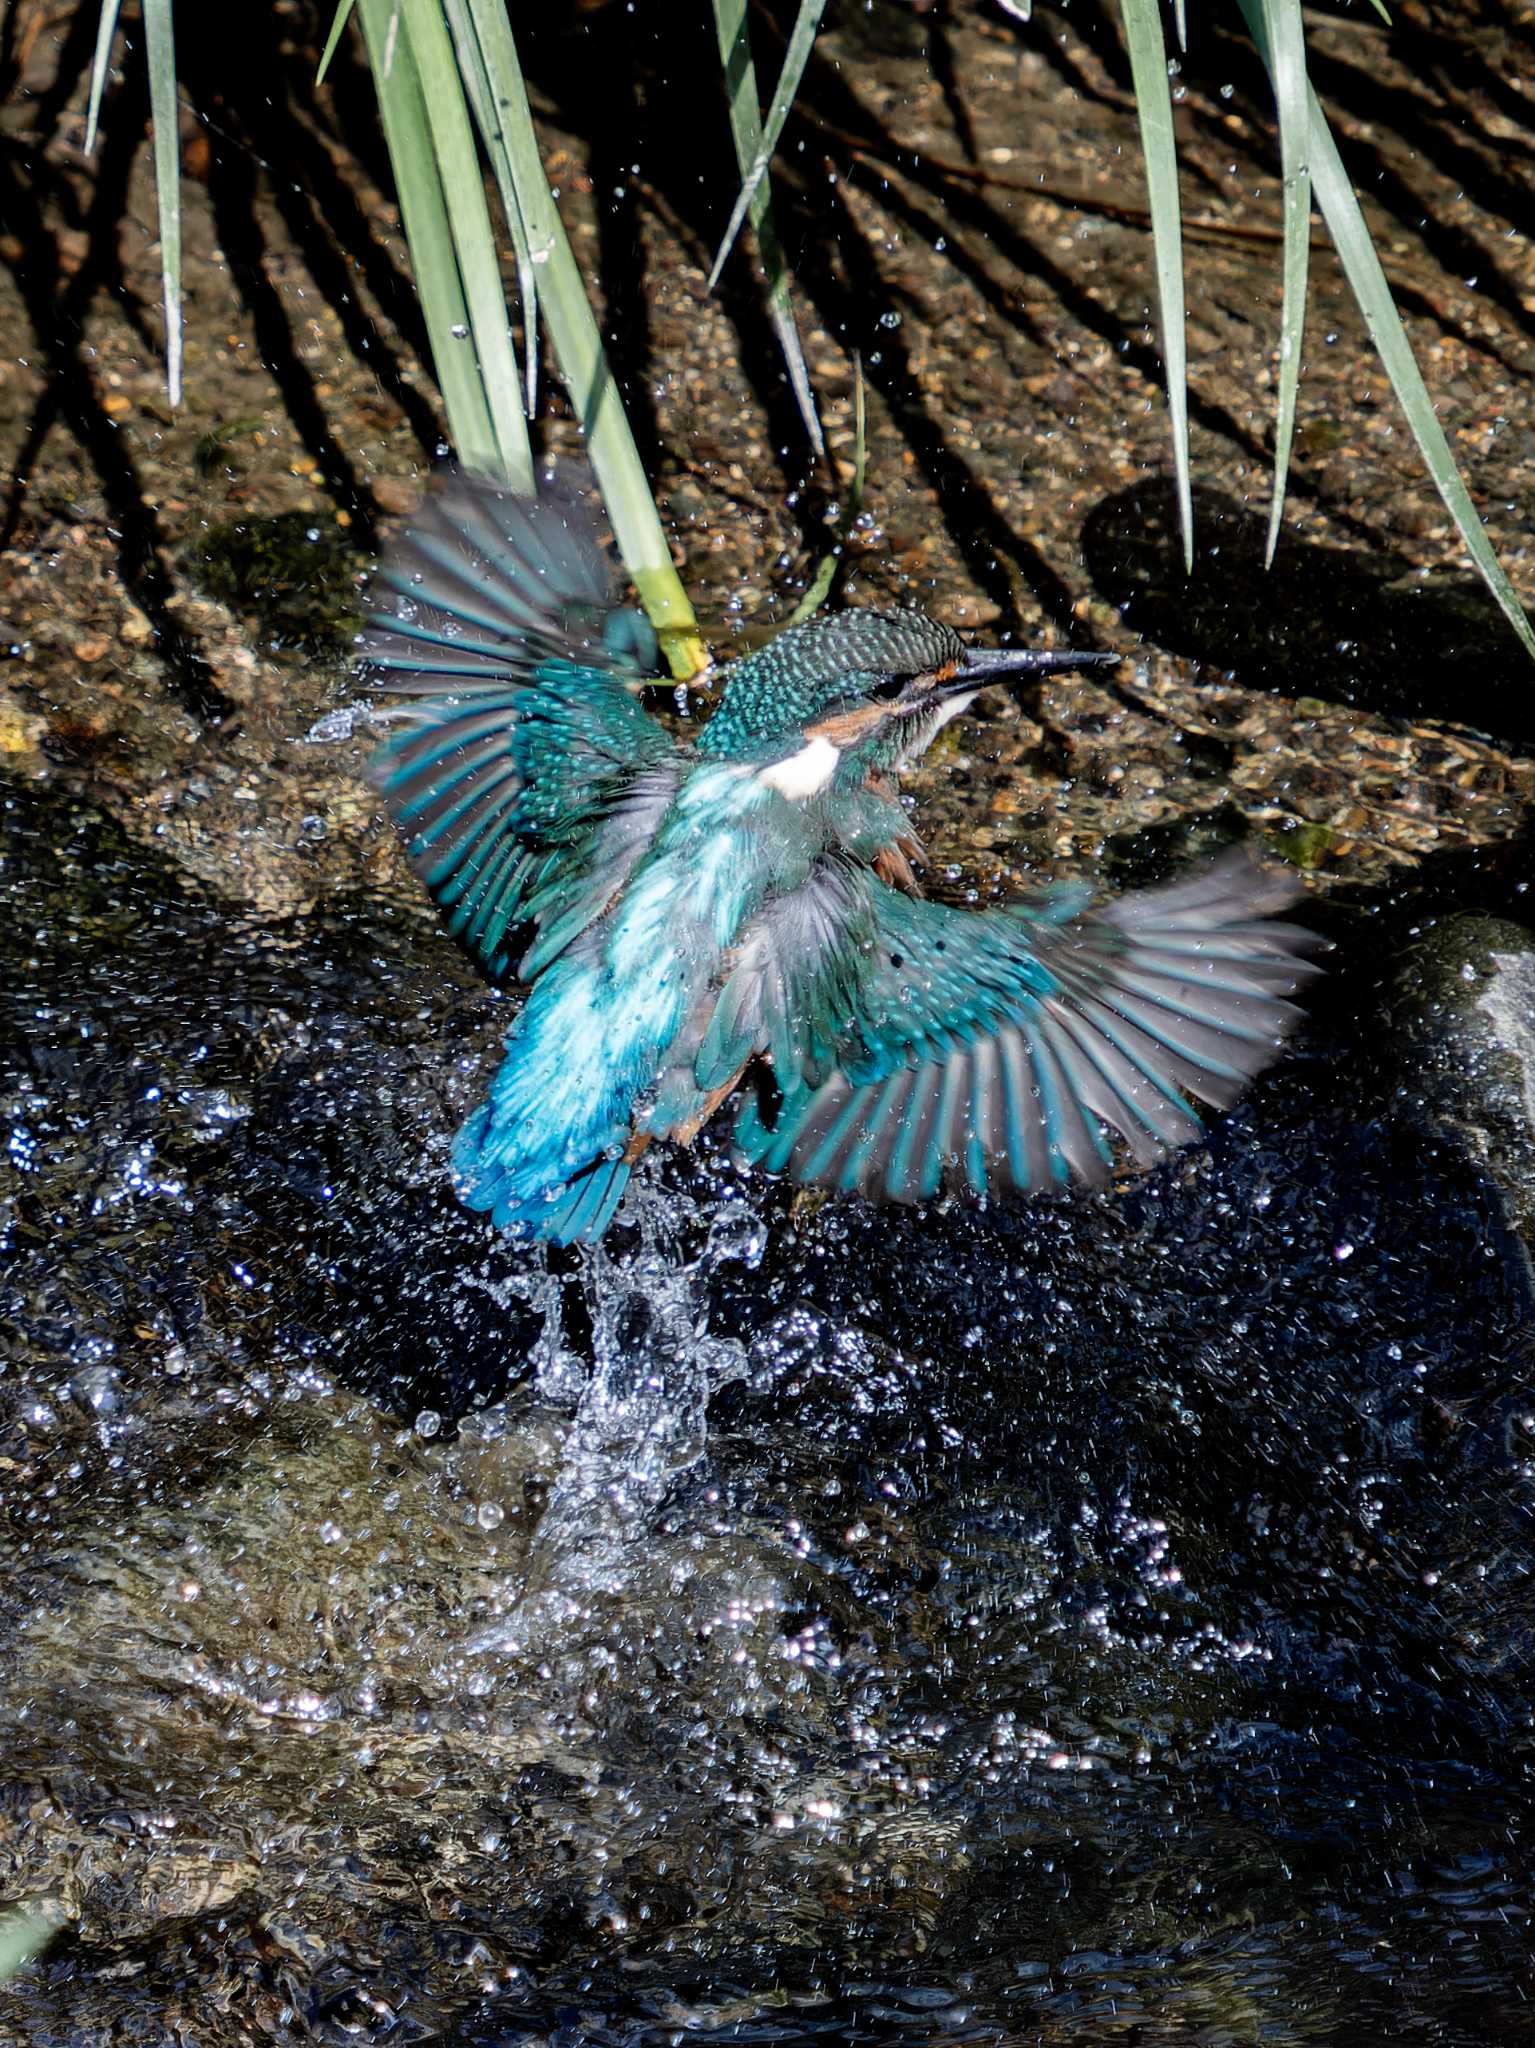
pixel 1358 628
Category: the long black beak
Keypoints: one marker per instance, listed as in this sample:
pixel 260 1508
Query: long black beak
pixel 997 664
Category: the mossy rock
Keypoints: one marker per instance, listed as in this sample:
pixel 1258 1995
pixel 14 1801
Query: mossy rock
pixel 1302 844
pixel 296 573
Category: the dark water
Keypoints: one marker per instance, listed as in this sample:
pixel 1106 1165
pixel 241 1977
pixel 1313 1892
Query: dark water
pixel 1075 1621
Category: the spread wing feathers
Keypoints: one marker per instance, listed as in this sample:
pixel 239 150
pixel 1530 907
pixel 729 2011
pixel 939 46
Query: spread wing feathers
pixel 525 791
pixel 526 806
pixel 793 981
pixel 486 584
pixel 998 1049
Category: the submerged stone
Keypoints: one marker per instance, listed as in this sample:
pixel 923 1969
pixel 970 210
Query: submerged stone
pixel 1461 1011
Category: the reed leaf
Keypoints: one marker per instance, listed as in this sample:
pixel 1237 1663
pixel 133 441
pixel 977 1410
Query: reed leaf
pixel 429 234
pixel 339 20
pixel 1284 42
pixel 106 30
pixel 746 128
pixel 820 585
pixel 457 168
pixel 1356 250
pixel 583 362
pixel 473 23
pixel 1355 245
pixel 796 56
pixel 165 123
pixel 1154 105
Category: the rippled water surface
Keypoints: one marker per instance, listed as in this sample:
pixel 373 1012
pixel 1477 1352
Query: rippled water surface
pixel 1066 1621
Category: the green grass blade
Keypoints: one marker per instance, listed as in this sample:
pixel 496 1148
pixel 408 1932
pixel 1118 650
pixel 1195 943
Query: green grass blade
pixel 1277 29
pixel 584 366
pixel 820 585
pixel 1154 105
pixel 860 442
pixel 342 16
pixel 463 189
pixel 165 122
pixel 746 127
pixel 818 589
pixel 479 35
pixel 423 210
pixel 796 56
pixel 106 29
pixel 1351 236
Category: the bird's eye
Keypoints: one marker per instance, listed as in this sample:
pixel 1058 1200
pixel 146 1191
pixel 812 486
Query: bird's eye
pixel 888 687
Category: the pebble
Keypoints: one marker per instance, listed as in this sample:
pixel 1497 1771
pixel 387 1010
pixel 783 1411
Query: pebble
pixel 21 731
pixel 393 495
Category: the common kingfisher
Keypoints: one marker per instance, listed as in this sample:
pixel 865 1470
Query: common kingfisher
pixel 740 916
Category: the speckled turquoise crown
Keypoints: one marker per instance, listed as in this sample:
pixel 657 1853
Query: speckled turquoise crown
pixel 808 668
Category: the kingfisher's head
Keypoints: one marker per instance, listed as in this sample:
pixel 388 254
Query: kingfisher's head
pixel 862 692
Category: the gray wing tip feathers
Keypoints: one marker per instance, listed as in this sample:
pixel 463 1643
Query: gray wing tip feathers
pixel 1162 995
pixel 1216 890
pixel 482 581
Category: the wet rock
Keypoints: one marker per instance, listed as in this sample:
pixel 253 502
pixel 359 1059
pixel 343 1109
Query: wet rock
pixel 1352 626
pixel 1461 1012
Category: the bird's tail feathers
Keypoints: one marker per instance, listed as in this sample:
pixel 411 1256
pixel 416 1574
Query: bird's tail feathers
pixel 537 1197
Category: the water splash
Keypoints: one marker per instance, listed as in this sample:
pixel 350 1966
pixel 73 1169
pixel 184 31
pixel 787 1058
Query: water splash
pixel 343 722
pixel 640 1409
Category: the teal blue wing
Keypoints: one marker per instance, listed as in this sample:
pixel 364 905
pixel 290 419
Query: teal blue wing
pixel 524 777
pixel 1005 1049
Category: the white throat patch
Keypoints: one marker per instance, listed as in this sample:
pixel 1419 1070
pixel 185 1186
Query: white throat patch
pixel 952 707
pixel 804 774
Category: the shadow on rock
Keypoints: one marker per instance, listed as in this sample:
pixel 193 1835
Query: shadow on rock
pixel 1328 622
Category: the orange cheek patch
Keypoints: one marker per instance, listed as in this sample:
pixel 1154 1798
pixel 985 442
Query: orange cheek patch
pixel 847 726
